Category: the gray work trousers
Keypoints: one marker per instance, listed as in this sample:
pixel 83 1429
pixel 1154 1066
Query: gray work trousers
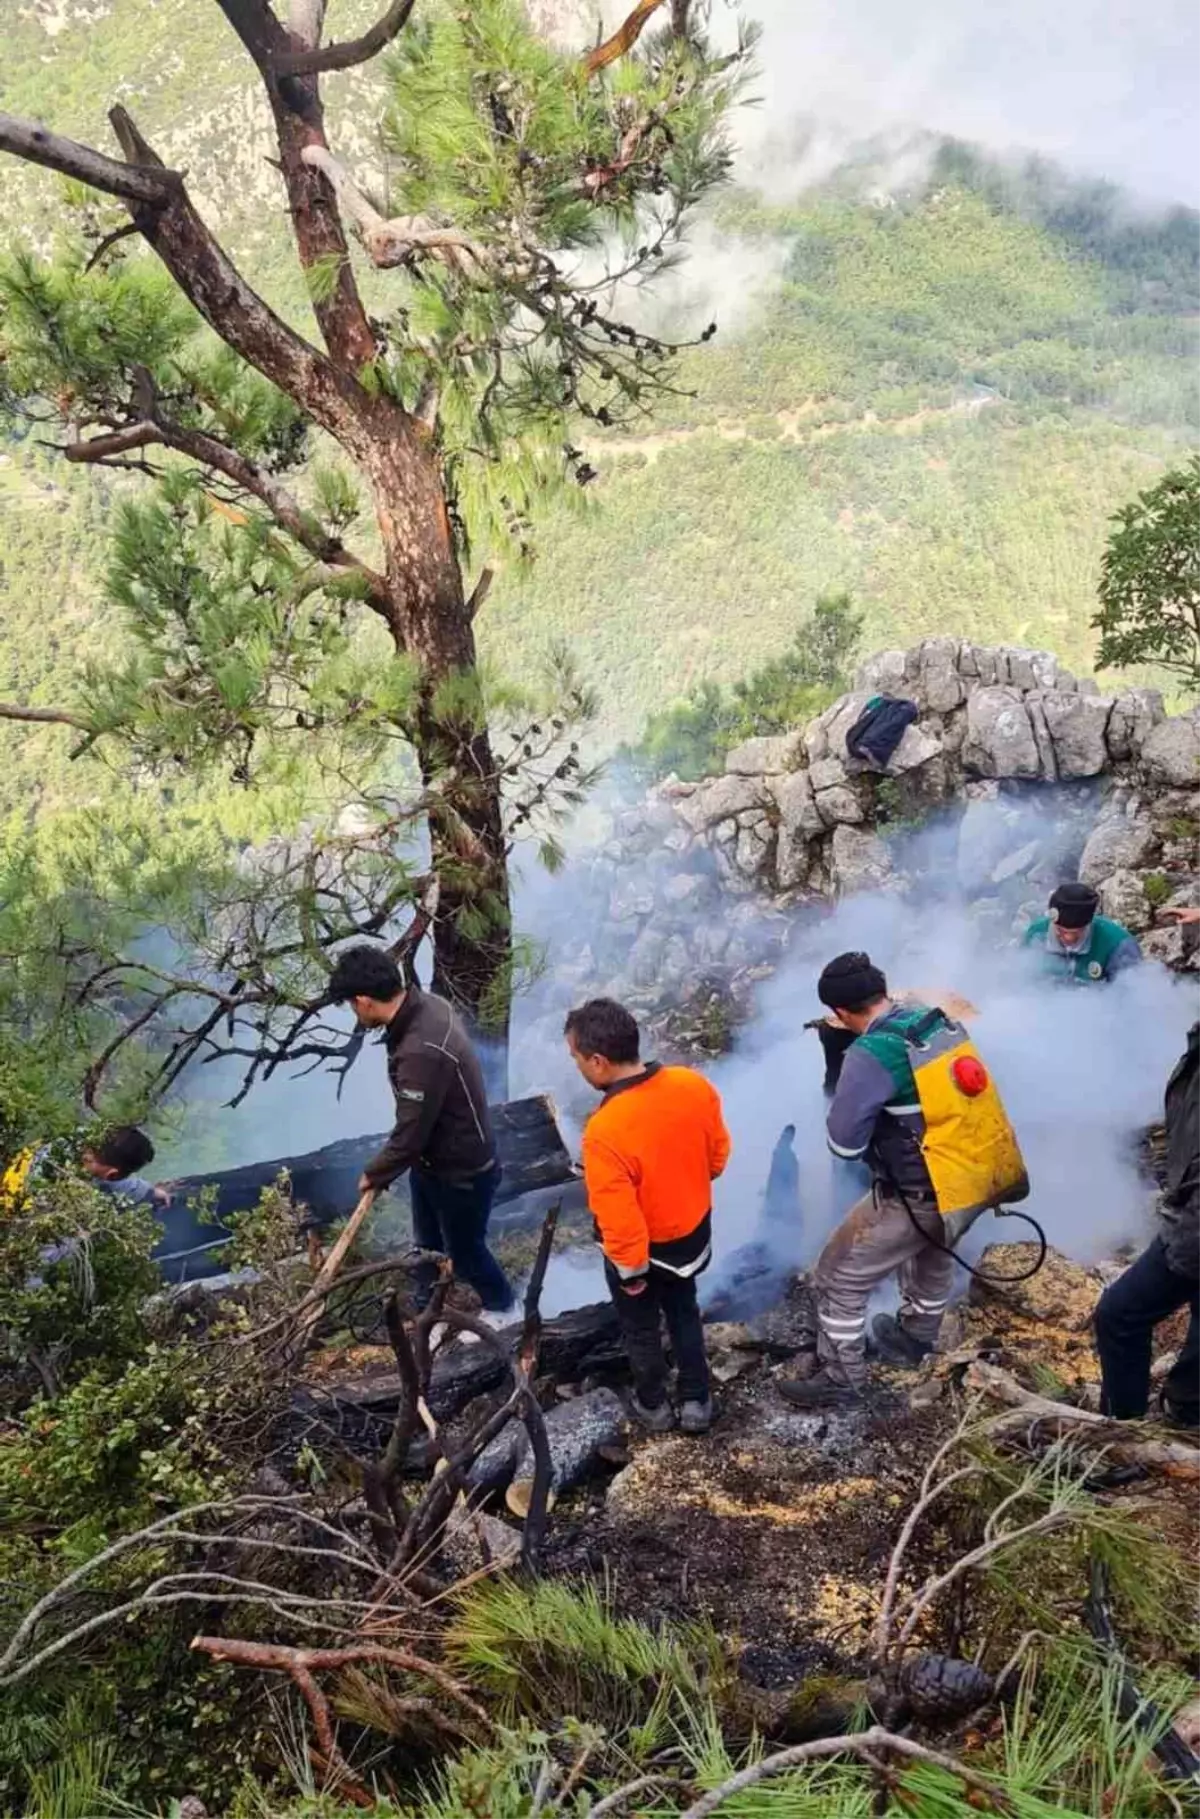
pixel 877 1237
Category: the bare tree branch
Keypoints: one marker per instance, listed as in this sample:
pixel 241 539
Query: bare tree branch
pixel 151 184
pixel 250 476
pixel 50 716
pixel 393 241
pixel 209 279
pixel 868 1743
pixel 623 39
pixel 316 61
pixel 316 224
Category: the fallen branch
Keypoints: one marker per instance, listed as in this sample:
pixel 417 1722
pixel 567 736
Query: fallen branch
pixel 275 1655
pixel 987 1550
pixel 1172 1457
pixel 611 1802
pixel 155 1532
pixel 866 1744
pixel 301 1665
pixel 331 1268
pixel 1179 1763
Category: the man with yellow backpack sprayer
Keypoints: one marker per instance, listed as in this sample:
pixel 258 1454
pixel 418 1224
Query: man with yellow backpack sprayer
pixel 915 1101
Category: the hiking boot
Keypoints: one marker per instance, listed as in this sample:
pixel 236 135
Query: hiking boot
pixel 819 1391
pixel 658 1420
pixel 895 1346
pixel 1184 1415
pixel 696 1417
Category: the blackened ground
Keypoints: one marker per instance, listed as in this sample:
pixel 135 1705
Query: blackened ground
pixel 776 1527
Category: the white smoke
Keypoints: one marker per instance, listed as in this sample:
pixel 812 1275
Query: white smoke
pixel 1103 87
pixel 1081 1068
pixel 1081 1071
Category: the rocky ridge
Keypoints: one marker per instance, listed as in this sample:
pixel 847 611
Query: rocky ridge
pixel 1028 773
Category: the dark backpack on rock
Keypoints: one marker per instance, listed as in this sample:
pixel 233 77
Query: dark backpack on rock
pixel 879 729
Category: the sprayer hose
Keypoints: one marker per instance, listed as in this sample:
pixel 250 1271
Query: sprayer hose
pixel 1002 1212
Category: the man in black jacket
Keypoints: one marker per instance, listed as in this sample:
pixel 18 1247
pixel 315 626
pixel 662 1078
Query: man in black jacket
pixel 1165 1277
pixel 443 1133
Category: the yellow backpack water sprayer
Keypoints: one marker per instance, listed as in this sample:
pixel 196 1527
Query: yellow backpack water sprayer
pixel 969 1147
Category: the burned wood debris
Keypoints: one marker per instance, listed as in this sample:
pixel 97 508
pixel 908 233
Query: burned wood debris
pixel 532 1155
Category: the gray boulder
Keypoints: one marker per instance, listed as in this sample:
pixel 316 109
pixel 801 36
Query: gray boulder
pixel 799 823
pixel 937 686
pixel 987 833
pixel 918 746
pixel 1171 751
pixel 1116 845
pixel 685 889
pixel 858 861
pixel 794 799
pixel 756 836
pixel 840 805
pixel 645 956
pixel 826 737
pixel 834 794
pixel 828 773
pixel 765 756
pixel 632 898
pixel 1035 708
pixel 882 674
pixel 1133 717
pixel 1016 864
pixel 1077 725
pixel 1000 741
pixel 1123 897
pixel 719 801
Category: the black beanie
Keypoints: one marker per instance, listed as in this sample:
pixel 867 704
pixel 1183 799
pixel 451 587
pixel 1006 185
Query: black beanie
pixel 1073 905
pixel 849 982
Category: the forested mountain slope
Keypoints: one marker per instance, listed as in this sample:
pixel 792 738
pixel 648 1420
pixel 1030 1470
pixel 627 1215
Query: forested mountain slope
pixel 932 397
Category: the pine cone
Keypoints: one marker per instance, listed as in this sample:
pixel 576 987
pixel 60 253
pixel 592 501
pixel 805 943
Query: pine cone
pixel 938 1686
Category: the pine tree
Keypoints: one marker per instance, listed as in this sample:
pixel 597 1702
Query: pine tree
pixel 321 514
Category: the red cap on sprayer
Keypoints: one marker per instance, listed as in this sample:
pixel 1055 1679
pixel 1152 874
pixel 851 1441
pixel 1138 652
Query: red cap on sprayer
pixel 970 1075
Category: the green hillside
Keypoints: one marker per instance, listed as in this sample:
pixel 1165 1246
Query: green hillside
pixel 938 404
pixel 938 408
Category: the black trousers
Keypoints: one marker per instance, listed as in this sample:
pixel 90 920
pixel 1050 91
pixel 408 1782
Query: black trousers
pixel 673 1299
pixel 1126 1315
pixel 453 1217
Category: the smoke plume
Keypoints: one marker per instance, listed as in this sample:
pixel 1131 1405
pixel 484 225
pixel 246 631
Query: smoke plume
pixel 1081 1068
pixel 1106 90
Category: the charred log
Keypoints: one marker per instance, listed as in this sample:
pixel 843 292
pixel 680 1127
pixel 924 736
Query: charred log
pixel 580 1433
pixel 573 1345
pixel 532 1154
pixel 1179 1764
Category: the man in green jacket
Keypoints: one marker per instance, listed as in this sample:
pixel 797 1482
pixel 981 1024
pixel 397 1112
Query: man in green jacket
pixel 1073 943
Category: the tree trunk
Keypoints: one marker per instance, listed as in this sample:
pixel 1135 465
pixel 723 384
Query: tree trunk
pixel 472 943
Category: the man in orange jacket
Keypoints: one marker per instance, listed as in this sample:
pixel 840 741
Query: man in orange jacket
pixel 650 1155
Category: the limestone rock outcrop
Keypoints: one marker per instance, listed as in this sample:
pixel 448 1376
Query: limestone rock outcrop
pixel 1015 776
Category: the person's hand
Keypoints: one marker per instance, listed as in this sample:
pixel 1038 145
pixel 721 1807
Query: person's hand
pixel 366 1185
pixel 163 1193
pixel 636 1287
pixel 1180 913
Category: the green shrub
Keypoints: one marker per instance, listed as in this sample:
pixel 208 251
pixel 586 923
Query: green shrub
pixel 692 737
